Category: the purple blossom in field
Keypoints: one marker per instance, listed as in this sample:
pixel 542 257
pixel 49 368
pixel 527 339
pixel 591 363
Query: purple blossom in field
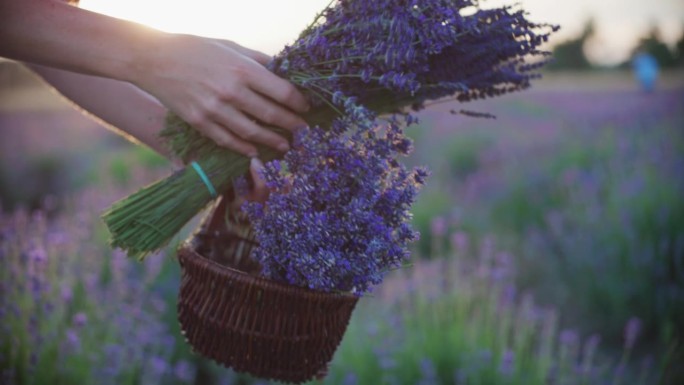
pixel 80 319
pixel 460 377
pixel 350 379
pixel 428 372
pixel 438 226
pixel 72 341
pixel 184 371
pixel 459 242
pixel 588 353
pixel 569 338
pixel 507 364
pixel 66 293
pixel 484 357
pixel 508 295
pixel 632 330
pixel 51 321
pixel 158 365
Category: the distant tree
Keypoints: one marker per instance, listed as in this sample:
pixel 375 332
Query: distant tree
pixel 570 54
pixel 679 50
pixel 654 45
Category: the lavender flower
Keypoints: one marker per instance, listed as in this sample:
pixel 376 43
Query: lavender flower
pixel 428 372
pixel 184 371
pixel 507 364
pixel 80 319
pixel 343 222
pixel 632 330
pixel 350 379
pixel 338 217
pixel 383 56
pixel 390 54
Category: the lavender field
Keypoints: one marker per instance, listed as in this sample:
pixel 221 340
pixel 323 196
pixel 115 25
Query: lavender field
pixel 552 249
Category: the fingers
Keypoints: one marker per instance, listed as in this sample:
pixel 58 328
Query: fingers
pixel 225 138
pixel 278 89
pixel 255 55
pixel 259 57
pixel 259 191
pixel 247 129
pixel 268 112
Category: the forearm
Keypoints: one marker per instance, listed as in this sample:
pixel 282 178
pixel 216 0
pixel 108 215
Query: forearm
pixel 54 34
pixel 223 90
pixel 119 105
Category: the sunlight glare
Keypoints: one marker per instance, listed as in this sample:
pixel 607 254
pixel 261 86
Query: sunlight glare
pixel 265 25
pixel 268 25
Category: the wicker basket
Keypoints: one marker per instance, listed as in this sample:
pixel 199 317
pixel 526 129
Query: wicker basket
pixel 251 324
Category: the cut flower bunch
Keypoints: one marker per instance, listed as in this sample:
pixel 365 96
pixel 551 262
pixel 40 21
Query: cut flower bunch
pixel 344 221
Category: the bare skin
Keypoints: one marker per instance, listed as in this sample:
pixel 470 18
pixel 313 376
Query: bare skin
pixel 128 75
pixel 118 105
pixel 221 88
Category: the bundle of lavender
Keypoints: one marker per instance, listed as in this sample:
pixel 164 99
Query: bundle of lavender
pixel 358 60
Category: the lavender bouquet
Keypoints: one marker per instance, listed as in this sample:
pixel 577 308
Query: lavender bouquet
pixel 357 61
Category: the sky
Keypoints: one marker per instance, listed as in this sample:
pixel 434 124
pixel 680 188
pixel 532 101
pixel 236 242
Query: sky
pixel 267 25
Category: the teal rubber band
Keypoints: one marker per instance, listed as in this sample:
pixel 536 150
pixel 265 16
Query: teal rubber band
pixel 205 179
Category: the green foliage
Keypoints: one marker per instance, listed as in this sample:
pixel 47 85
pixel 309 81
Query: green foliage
pixel 679 47
pixel 30 180
pixel 120 171
pixel 569 55
pixel 452 327
pixel 653 44
pixel 463 154
pixel 432 202
pixel 148 158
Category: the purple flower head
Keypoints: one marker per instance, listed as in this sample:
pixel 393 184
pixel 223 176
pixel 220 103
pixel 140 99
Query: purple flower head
pixel 80 319
pixel 459 241
pixel 159 364
pixel 38 255
pixel 67 293
pixel 389 53
pixel 428 370
pixel 339 210
pixel 507 365
pixel 632 330
pixel 184 371
pixel 438 226
pixel 343 221
pixel 569 338
pixel 72 342
pixel 350 379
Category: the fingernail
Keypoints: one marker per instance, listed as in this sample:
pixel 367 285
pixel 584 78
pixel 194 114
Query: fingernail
pixel 284 147
pixel 256 163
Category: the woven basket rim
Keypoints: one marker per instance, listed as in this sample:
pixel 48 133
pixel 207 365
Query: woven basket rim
pixel 264 282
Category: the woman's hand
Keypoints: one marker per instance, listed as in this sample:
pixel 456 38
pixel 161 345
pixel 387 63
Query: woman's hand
pixel 219 87
pixel 258 192
pixel 223 90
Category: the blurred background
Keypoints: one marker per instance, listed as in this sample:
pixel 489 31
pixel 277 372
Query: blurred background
pixel 552 246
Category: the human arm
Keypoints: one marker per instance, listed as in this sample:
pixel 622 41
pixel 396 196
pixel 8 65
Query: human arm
pixel 129 111
pixel 223 90
pixel 119 105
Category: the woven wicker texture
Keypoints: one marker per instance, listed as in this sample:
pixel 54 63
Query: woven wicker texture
pixel 254 325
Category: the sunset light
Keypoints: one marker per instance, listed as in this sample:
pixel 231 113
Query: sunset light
pixel 267 25
pixel 263 25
